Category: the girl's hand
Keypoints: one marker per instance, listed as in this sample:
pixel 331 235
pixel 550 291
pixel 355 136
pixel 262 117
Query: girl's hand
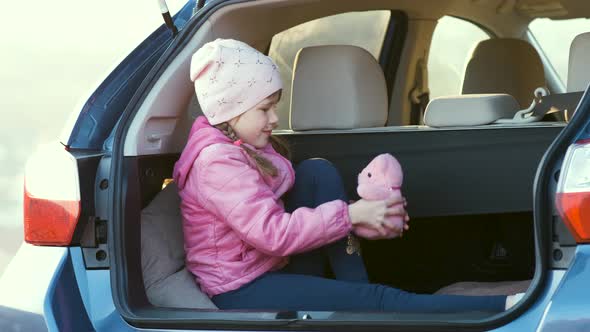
pixel 372 214
pixel 372 234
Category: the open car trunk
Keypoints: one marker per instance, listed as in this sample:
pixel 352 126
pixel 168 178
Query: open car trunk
pixel 469 192
pixel 469 195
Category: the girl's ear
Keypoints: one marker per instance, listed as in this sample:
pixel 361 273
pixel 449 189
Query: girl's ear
pixel 232 122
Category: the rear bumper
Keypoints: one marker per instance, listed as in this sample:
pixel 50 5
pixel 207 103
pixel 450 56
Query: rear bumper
pixel 25 285
pixel 49 289
pixel 39 292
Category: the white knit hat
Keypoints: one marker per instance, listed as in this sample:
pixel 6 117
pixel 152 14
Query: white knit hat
pixel 231 77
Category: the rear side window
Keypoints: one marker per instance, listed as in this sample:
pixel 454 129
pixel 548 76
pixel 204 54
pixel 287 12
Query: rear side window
pixel 555 37
pixel 450 49
pixel 363 29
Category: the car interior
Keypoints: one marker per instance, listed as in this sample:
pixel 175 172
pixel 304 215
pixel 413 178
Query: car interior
pixel 469 158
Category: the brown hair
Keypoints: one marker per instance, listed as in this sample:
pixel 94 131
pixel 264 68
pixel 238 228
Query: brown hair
pixel 264 165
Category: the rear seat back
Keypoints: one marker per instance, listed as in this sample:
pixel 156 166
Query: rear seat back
pixel 504 65
pixel 501 80
pixel 337 87
pixel 578 76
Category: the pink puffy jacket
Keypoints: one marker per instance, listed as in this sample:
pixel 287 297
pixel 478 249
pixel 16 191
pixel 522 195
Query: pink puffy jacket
pixel 235 226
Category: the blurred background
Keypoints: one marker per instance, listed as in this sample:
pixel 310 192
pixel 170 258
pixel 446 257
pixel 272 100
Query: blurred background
pixel 53 55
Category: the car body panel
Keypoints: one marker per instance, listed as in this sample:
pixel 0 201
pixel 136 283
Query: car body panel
pixel 570 304
pixel 95 287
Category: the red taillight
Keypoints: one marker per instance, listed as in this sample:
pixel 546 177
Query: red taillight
pixel 51 197
pixel 573 191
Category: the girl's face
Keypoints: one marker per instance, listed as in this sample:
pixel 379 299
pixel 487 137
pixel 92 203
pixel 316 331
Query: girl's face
pixel 255 125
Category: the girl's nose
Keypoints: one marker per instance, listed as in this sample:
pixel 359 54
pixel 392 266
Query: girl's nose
pixel 273 117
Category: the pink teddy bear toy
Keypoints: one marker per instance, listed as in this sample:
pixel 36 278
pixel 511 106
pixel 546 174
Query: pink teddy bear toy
pixel 380 180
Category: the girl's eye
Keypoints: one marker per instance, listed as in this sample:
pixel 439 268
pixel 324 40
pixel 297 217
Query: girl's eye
pixel 369 174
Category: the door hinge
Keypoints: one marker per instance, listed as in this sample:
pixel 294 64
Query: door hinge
pixel 94 244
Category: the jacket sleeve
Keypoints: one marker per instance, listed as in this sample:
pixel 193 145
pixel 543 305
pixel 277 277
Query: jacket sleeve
pixel 237 194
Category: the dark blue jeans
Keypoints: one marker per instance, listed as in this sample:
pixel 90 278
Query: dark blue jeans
pixel 302 284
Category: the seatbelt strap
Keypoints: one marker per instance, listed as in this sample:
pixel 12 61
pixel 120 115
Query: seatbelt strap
pixel 419 95
pixel 417 110
pixel 543 104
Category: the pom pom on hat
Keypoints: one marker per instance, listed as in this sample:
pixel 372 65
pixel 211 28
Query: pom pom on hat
pixel 231 77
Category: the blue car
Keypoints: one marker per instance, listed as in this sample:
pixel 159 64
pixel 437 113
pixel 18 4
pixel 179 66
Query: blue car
pixel 489 119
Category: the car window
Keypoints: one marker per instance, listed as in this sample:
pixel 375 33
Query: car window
pixel 450 49
pixel 363 29
pixel 554 37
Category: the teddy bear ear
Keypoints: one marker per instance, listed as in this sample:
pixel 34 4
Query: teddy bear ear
pixel 381 162
pixel 389 162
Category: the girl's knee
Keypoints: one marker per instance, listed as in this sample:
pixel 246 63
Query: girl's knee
pixel 316 166
pixel 320 179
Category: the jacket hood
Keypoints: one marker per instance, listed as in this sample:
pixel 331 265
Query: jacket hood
pixel 202 135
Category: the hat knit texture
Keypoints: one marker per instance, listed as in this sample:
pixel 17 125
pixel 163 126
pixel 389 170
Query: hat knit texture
pixel 231 77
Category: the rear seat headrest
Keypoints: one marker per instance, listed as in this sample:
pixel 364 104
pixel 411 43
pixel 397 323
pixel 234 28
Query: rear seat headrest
pixel 578 76
pixel 337 87
pixel 504 65
pixel 469 110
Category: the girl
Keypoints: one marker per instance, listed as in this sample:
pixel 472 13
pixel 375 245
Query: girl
pixel 248 249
